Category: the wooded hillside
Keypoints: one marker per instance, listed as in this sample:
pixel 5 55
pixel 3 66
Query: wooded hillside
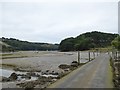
pixel 15 44
pixel 86 41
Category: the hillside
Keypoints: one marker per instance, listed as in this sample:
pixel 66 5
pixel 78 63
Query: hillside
pixel 86 41
pixel 11 44
pixel 5 47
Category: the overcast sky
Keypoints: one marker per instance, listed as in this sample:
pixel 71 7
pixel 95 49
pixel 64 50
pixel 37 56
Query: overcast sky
pixel 52 22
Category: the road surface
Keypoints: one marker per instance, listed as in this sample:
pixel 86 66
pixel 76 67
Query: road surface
pixel 95 74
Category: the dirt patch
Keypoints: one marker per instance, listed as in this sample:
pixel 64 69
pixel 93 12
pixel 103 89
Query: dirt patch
pixel 12 66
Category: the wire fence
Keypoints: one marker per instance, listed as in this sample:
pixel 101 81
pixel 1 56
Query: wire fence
pixel 115 63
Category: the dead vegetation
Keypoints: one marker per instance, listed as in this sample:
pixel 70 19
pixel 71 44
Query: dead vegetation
pixel 115 63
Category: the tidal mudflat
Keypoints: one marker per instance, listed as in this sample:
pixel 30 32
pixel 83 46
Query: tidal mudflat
pixel 44 63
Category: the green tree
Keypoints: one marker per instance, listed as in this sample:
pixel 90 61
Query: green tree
pixel 67 45
pixel 116 43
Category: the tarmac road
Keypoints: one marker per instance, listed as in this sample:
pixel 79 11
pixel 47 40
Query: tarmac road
pixel 95 74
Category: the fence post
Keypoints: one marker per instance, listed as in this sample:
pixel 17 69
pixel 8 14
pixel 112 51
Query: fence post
pixel 78 57
pixel 93 54
pixel 97 52
pixel 89 55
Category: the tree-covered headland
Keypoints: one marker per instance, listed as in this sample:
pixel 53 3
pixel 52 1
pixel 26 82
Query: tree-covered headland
pixel 87 41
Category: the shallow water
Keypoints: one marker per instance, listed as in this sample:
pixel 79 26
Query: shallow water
pixel 5 72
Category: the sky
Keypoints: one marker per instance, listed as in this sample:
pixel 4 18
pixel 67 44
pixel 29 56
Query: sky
pixel 52 22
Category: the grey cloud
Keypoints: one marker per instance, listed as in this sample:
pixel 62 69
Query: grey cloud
pixel 51 22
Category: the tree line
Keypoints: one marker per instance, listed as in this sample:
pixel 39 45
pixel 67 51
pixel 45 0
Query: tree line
pixel 16 45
